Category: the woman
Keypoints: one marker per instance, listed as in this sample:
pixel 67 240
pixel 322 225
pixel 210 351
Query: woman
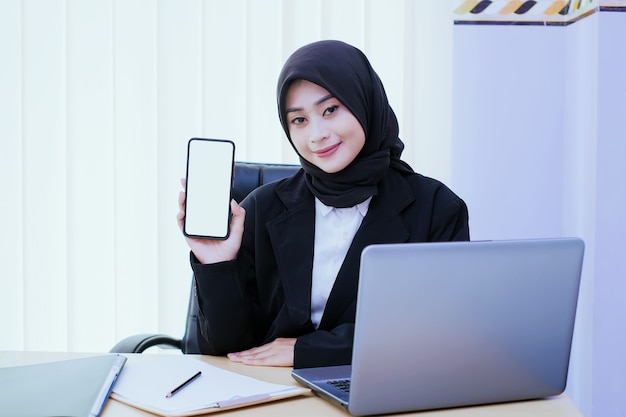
pixel 282 289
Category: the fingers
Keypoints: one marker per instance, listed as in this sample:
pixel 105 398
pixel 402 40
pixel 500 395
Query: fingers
pixel 277 353
pixel 236 208
pixel 181 203
pixel 180 216
pixel 212 251
pixel 237 221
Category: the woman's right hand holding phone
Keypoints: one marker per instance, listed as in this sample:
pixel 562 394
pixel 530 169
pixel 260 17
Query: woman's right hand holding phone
pixel 211 250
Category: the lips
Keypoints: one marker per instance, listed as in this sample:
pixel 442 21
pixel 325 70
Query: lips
pixel 327 151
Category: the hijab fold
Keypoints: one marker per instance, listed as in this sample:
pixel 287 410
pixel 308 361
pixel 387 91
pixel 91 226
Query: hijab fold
pixel 347 74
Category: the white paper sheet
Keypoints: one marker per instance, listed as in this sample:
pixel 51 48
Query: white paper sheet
pixel 144 383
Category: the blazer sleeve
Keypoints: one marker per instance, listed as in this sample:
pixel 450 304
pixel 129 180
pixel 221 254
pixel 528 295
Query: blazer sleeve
pixel 226 308
pixel 325 347
pixel 450 221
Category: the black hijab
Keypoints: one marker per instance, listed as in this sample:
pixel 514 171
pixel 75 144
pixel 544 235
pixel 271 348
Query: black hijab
pixel 346 73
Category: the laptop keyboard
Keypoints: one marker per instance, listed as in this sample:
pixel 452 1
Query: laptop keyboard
pixel 341 384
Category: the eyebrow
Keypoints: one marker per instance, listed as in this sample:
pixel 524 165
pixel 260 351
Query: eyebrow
pixel 317 103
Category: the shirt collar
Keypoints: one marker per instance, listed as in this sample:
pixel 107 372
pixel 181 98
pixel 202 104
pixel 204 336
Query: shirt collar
pixel 323 209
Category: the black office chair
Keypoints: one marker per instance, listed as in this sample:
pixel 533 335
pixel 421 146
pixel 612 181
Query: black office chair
pixel 248 176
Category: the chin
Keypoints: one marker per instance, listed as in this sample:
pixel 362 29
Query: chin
pixel 329 167
pixel 332 169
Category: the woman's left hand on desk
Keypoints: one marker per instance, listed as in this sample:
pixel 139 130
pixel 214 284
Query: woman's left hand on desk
pixel 276 353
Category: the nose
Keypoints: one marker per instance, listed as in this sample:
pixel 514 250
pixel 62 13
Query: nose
pixel 319 130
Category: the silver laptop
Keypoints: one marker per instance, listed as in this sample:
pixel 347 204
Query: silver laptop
pixel 453 324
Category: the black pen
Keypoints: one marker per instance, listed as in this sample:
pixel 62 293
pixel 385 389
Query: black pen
pixel 183 385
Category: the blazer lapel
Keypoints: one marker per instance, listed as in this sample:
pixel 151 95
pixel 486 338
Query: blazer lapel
pixel 292 236
pixel 382 224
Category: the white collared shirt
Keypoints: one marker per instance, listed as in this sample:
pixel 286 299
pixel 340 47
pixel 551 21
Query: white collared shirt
pixel 334 230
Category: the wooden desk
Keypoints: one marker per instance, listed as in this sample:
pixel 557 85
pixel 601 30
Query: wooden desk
pixel 308 405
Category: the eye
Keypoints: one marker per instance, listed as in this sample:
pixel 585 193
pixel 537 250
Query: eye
pixel 297 120
pixel 331 109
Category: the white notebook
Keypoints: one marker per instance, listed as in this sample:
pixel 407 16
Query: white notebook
pixel 146 381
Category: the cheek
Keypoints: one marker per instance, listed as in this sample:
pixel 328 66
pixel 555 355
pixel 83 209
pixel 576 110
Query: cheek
pixel 355 132
pixel 298 141
pixel 351 127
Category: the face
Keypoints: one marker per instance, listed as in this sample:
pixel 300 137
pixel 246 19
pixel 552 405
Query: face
pixel 323 131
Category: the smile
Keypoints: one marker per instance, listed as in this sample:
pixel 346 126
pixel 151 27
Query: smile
pixel 323 153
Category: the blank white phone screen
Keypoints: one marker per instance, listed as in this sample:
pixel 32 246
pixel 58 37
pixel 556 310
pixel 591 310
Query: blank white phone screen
pixel 209 180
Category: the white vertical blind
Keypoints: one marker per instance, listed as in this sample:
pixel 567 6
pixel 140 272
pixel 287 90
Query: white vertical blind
pixel 12 324
pixel 44 229
pixel 428 103
pixel 98 99
pixel 136 148
pixel 91 187
pixel 179 116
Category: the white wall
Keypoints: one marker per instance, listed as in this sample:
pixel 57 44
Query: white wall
pixel 609 341
pixel 524 145
pixel 537 150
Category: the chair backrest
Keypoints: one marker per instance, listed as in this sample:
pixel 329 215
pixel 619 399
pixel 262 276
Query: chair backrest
pixel 248 176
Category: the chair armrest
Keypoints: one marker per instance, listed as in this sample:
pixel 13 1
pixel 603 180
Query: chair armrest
pixel 140 342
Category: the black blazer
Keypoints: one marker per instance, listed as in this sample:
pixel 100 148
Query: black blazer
pixel 266 292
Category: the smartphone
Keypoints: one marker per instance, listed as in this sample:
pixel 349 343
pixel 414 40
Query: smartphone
pixel 210 165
